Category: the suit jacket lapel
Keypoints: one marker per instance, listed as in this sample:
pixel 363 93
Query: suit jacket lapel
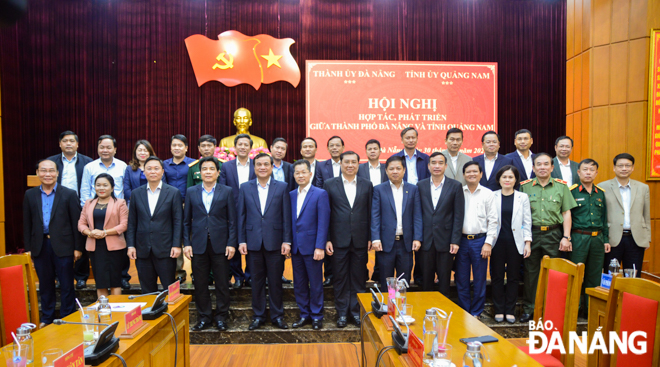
pixel 161 197
pixel 443 194
pixel 617 192
pixel 216 197
pixel 390 196
pixel 309 193
pixel 343 191
pixel 40 206
pixel 405 198
pixel 358 190
pixel 145 199
pixel 633 193
pixel 56 201
pixel 255 194
pixel 295 210
pixel 271 193
pixel 111 207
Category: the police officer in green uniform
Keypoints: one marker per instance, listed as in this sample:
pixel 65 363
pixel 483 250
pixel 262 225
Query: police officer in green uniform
pixel 206 145
pixel 590 234
pixel 551 203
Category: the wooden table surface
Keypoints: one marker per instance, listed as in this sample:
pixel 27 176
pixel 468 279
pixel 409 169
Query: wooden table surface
pixel 462 325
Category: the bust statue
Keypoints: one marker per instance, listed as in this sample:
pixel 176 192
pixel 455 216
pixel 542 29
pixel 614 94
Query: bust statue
pixel 243 121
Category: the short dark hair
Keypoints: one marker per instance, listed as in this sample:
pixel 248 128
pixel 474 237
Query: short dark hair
pixel 350 152
pixel 154 158
pixel 562 138
pixel 243 136
pixel 404 131
pixel 181 137
pixel 110 179
pixel 45 160
pixel 454 130
pixel 588 161
pixel 372 141
pixel 511 168
pixel 483 137
pixel 624 156
pixel 542 154
pixel 261 155
pixel 522 131
pixel 471 163
pixel 68 132
pixel 103 137
pixel 277 140
pixel 207 138
pixel 395 158
pixel 435 154
pixel 336 137
pixel 210 159
pixel 302 162
pixel 309 138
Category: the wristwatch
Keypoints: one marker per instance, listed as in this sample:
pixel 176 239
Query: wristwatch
pixel 568 238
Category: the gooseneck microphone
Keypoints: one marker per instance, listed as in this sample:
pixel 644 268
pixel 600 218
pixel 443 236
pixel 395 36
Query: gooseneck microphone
pixel 142 295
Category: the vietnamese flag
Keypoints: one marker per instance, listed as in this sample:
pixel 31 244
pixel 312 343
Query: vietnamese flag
pixel 277 63
pixel 229 60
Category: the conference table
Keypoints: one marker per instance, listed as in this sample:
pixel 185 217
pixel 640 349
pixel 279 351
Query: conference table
pixel 153 346
pixel 462 325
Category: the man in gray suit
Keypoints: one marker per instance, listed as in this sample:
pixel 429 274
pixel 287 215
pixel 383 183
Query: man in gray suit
pixel 455 159
pixel 564 168
pixel 628 215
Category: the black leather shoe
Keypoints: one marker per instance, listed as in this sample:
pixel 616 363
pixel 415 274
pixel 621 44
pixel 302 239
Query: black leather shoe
pixel 238 284
pixel 280 323
pixel 342 322
pixel 525 317
pixel 286 281
pixel 248 283
pixel 327 281
pixel 317 324
pixel 221 325
pixel 202 325
pixel 302 322
pixel 356 321
pixel 81 284
pixel 125 285
pixel 255 324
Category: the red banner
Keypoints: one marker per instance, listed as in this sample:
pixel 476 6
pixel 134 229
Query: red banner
pixel 653 161
pixel 362 100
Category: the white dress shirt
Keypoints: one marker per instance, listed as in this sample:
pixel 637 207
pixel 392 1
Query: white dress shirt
pixel 481 214
pixel 566 173
pixel 69 176
pixel 436 191
pixel 152 196
pixel 243 171
pixel 398 204
pixel 625 197
pixel 302 194
pixel 263 195
pixel 207 197
pixel 411 168
pixel 454 160
pixel 312 167
pixel 350 188
pixel 489 164
pixel 374 174
pixel 336 168
pixel 527 163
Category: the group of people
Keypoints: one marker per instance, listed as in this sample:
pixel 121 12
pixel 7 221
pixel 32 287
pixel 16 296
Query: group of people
pixel 424 216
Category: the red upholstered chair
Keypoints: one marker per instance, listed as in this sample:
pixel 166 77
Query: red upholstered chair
pixel 634 305
pixel 557 300
pixel 18 294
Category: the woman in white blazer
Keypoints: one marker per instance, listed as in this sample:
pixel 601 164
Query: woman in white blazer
pixel 514 238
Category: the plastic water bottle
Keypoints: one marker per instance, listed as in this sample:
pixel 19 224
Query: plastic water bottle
pixel 105 311
pixel 25 339
pixel 430 337
pixel 614 266
pixel 473 357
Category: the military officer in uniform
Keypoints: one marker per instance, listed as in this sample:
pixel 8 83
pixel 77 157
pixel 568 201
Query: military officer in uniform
pixel 551 203
pixel 206 145
pixel 590 237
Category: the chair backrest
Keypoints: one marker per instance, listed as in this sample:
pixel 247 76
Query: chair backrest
pixel 634 305
pixel 18 294
pixel 558 299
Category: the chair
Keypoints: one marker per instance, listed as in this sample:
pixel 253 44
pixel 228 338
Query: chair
pixel 18 294
pixel 633 306
pixel 557 300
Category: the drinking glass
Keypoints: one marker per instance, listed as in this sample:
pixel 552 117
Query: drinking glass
pixel 443 357
pixel 49 356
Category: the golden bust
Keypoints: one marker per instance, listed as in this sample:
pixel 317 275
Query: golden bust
pixel 243 121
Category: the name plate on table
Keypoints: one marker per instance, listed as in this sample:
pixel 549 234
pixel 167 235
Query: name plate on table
pixel 134 323
pixel 74 358
pixel 606 280
pixel 415 349
pixel 174 292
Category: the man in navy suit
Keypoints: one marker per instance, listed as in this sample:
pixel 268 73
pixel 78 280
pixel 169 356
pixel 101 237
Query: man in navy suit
pixel 416 164
pixel 396 222
pixel 523 158
pixel 491 161
pixel 234 173
pixel 210 242
pixel 310 214
pixel 264 234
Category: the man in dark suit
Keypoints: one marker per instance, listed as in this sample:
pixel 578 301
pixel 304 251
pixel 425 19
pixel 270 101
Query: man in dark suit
pixel 209 232
pixel 491 161
pixel 50 232
pixel 396 222
pixel 70 165
pixel 155 224
pixel 310 216
pixel 565 168
pixel 234 173
pixel 282 170
pixel 443 205
pixel 264 232
pixel 348 242
pixel 523 158
pixel 308 149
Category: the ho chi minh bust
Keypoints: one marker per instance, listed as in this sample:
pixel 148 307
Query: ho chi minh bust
pixel 243 121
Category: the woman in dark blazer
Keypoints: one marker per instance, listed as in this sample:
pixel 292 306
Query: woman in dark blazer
pixel 134 176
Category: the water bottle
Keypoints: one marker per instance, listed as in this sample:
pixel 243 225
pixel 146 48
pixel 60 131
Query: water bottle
pixel 473 357
pixel 614 266
pixel 25 339
pixel 105 311
pixel 430 337
pixel 401 297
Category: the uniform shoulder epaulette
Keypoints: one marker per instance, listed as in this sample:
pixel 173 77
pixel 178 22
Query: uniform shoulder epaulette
pixel 573 187
pixel 193 163
pixel 599 188
pixel 526 181
pixel 561 181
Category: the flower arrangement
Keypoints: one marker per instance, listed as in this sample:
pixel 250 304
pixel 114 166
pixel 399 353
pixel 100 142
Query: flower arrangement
pixel 225 154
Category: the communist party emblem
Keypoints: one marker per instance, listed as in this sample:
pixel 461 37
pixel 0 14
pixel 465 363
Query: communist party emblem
pixel 235 58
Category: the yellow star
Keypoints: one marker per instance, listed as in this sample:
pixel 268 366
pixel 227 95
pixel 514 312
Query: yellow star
pixel 272 59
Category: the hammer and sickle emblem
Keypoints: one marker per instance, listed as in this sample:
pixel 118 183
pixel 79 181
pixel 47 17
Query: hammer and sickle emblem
pixel 228 64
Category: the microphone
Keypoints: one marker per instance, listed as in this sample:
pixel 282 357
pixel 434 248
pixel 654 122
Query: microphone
pixel 399 338
pixel 142 295
pixel 62 322
pixel 378 307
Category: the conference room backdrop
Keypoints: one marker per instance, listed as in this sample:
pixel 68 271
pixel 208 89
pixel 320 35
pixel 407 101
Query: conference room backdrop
pixel 120 67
